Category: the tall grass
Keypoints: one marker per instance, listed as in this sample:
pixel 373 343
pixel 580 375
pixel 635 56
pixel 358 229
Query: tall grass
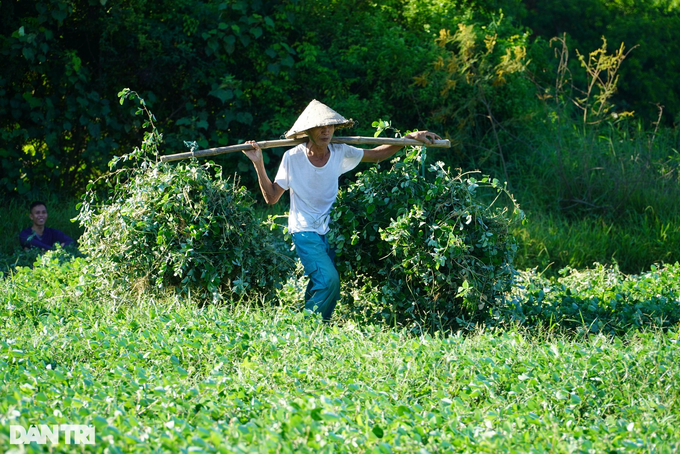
pixel 610 170
pixel 551 242
pixel 596 184
pixel 604 190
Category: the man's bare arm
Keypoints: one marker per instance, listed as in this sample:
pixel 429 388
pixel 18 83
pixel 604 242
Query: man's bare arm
pixel 270 191
pixel 383 152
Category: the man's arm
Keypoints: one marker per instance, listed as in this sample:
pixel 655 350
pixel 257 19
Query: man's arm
pixel 270 191
pixel 23 238
pixel 383 152
pixel 30 239
pixel 62 238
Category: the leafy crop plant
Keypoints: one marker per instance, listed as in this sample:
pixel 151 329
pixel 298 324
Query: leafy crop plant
pixel 422 247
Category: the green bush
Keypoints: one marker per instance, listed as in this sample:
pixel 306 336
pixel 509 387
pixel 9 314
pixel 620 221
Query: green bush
pixel 40 287
pixel 598 300
pixel 422 247
pixel 184 226
pixel 179 226
pixel 195 63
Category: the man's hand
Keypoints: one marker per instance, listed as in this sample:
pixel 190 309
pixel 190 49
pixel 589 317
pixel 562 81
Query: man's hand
pixel 255 154
pixel 426 137
pixel 383 152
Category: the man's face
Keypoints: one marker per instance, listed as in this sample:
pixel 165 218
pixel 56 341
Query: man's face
pixel 39 215
pixel 321 135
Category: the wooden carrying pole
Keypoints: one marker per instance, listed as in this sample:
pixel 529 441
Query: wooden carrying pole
pixel 355 140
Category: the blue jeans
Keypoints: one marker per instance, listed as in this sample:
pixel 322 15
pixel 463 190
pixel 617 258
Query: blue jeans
pixel 318 259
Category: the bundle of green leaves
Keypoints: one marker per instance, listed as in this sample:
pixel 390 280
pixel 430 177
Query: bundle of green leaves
pixel 422 247
pixel 182 226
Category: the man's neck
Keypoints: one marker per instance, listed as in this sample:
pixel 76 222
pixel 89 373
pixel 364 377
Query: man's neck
pixel 316 150
pixel 39 229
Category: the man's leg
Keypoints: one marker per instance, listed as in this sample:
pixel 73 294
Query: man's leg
pixel 316 256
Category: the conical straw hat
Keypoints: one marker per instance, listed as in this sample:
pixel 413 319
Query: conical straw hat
pixel 317 114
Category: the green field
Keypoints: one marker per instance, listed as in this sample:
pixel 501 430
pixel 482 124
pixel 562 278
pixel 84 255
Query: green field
pixel 152 372
pixel 516 293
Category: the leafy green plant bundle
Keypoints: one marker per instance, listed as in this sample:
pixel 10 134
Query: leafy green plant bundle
pixel 183 226
pixel 180 226
pixel 423 247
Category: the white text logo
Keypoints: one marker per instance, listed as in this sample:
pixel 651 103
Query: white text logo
pixel 73 434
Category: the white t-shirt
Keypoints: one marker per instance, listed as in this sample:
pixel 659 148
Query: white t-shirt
pixel 313 190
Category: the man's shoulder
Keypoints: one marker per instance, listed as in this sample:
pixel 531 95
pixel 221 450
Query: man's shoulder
pixel 297 150
pixel 24 236
pixel 295 154
pixel 25 233
pixel 346 149
pixel 56 236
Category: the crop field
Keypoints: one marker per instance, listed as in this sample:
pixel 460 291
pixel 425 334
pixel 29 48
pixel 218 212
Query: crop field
pixel 518 292
pixel 165 333
pixel 155 373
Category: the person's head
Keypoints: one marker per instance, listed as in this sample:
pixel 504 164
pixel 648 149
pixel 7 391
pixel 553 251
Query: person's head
pixel 314 116
pixel 321 135
pixel 38 213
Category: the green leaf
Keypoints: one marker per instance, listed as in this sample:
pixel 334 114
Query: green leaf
pixel 29 53
pixel 59 14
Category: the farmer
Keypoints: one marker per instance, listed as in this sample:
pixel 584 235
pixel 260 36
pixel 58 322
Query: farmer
pixel 38 235
pixel 311 171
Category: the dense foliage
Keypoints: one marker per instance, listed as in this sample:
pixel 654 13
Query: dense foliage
pixel 423 245
pixel 181 226
pixel 213 72
pixel 155 374
pixel 221 72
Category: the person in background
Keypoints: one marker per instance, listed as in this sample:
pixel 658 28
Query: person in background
pixel 311 171
pixel 40 236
